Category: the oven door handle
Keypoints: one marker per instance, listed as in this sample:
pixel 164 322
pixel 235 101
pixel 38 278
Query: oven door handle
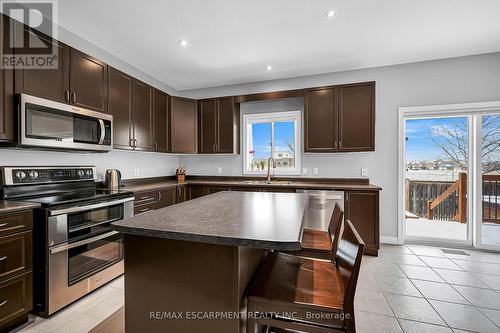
pixel 103 131
pixel 89 207
pixel 65 247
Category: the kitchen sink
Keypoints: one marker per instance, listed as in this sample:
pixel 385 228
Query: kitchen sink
pixel 264 182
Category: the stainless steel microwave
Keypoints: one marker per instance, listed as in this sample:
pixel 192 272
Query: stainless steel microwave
pixel 52 125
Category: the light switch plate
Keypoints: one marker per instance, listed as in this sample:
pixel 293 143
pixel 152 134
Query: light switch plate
pixel 364 172
pixel 219 170
pixel 304 171
pixel 136 172
pixel 315 171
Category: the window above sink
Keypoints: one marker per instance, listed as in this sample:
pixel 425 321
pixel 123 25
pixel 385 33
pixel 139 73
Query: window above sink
pixel 276 135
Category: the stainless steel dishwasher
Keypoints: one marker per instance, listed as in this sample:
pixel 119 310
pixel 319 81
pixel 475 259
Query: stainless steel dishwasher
pixel 320 208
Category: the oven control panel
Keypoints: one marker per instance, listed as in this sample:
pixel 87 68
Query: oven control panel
pixel 38 175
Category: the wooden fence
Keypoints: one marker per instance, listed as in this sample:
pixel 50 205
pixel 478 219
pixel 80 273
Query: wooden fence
pixel 447 201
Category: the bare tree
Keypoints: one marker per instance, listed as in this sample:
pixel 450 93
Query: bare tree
pixel 453 141
pixel 291 147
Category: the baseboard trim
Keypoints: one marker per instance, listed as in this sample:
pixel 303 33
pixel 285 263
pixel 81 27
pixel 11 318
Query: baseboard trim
pixel 389 240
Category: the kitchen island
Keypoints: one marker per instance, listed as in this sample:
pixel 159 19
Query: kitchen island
pixel 187 265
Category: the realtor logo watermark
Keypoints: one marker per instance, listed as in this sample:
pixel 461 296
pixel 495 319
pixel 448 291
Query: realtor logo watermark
pixel 27 48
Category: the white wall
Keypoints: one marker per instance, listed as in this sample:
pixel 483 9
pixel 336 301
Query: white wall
pixel 456 80
pixel 149 164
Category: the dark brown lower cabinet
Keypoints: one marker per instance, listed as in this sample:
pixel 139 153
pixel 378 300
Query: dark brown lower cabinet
pixel 181 194
pixel 196 191
pixel 158 198
pixel 166 197
pixel 215 189
pixel 362 209
pixel 16 277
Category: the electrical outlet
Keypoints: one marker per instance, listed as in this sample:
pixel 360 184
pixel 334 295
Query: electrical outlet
pixel 219 170
pixel 315 171
pixel 364 172
pixel 136 172
pixel 304 171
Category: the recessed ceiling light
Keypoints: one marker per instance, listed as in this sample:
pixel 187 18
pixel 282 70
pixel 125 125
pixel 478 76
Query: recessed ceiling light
pixel 183 42
pixel 330 13
pixel 269 68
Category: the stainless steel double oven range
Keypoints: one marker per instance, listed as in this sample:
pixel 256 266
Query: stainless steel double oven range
pixel 75 250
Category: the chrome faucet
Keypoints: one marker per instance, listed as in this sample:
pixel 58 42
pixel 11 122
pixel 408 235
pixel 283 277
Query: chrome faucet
pixel 268 180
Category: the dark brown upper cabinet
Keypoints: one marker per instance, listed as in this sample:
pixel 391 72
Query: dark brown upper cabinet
pixel 183 125
pixel 161 120
pixel 79 79
pixel 131 103
pixel 207 118
pixel 228 130
pixel 218 126
pixel 143 116
pixel 340 118
pixel 88 81
pixel 7 122
pixel 120 99
pixel 51 84
pixel 357 117
pixel 320 117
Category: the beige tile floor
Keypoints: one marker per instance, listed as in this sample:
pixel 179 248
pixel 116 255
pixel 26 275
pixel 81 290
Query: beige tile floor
pixel 83 315
pixel 410 289
pixel 421 289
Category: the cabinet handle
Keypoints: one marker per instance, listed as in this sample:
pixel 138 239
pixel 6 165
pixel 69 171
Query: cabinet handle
pixel 66 96
pixel 3 258
pixel 73 95
pixel 156 145
pixel 144 210
pixel 340 144
pixel 3 224
pixel 135 143
pixel 3 303
pixel 131 142
pixel 159 196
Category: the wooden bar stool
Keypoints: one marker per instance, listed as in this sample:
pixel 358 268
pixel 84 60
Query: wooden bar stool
pixel 317 243
pixel 307 295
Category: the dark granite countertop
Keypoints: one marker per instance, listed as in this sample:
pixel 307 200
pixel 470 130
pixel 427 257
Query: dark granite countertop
pixel 254 219
pixel 148 185
pixel 9 206
pixel 151 184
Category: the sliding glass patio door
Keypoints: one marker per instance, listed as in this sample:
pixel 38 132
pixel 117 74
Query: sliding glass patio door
pixel 488 188
pixel 436 179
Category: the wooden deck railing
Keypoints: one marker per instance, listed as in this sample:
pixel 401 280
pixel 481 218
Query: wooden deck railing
pixel 447 201
pixel 491 198
pixel 453 200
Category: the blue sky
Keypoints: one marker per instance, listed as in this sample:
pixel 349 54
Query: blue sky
pixel 283 131
pixel 419 145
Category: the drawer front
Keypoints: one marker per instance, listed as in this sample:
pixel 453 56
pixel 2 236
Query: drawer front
pixel 15 254
pixel 15 222
pixel 139 209
pixel 15 298
pixel 143 197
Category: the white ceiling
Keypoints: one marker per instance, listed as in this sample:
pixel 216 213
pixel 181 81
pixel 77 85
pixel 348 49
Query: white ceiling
pixel 233 41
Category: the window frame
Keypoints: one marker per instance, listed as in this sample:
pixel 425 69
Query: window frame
pixel 273 117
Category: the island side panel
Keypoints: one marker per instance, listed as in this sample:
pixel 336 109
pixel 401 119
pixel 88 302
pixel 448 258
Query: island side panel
pixel 171 277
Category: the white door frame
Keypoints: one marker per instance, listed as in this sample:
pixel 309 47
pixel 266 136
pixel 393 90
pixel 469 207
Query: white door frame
pixel 471 110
